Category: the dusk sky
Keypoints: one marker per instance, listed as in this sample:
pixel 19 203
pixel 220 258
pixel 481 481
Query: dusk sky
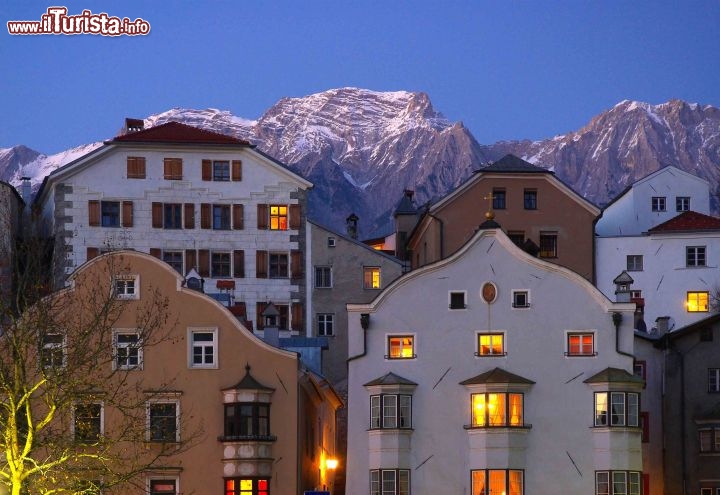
pixel 507 69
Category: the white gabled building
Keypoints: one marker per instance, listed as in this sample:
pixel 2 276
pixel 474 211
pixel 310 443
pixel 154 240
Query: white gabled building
pixel 212 206
pixel 491 372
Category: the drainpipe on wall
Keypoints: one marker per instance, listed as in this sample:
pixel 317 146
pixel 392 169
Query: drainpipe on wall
pixel 617 320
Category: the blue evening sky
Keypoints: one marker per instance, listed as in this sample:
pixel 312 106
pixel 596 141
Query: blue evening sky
pixel 507 69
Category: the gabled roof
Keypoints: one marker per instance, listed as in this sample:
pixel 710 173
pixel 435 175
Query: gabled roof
pixel 405 206
pixel 249 382
pixel 175 132
pixel 353 241
pixel 614 375
pixel 688 221
pixel 513 164
pixel 496 375
pixel 389 379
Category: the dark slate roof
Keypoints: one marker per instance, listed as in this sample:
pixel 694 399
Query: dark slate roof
pixel 390 379
pixel 496 375
pixel 614 375
pixel 688 221
pixel 623 278
pixel 175 132
pixel 249 383
pixel 405 206
pixel 513 164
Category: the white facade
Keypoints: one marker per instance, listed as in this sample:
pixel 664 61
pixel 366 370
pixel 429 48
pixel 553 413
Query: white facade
pixel 653 200
pixel 537 309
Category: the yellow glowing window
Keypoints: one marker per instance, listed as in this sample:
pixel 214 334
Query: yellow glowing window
pixel 697 302
pixel 401 347
pixel 497 409
pixel 491 344
pixel 581 344
pixel 371 277
pixel 278 217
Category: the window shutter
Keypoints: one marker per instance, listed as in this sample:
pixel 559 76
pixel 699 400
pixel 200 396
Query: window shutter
pixel 239 263
pixel 157 215
pixel 237 215
pixel 94 213
pixel 136 167
pixel 297 317
pixel 294 217
pixel 262 217
pixel 261 264
pixel 260 320
pixel 205 216
pixel 156 252
pixel 173 168
pixel 204 262
pixel 237 170
pixel 296 268
pixel 189 215
pixel 92 252
pixel 190 260
pixel 127 213
pixel 206 170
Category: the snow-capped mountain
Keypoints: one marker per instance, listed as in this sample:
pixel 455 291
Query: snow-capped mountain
pixel 362 148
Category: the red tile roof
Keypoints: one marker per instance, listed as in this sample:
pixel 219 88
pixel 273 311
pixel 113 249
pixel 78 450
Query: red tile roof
pixel 175 132
pixel 688 221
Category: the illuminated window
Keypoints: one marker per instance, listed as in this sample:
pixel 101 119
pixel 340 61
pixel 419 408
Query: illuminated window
pixel 697 302
pixel 52 352
pixel 618 482
pixel 580 344
pixel 371 277
pixel 401 347
pixel 247 486
pixel 389 482
pixel 497 481
pixel 278 217
pixel 163 487
pixel 491 344
pixel 163 421
pixel 390 411
pixel 617 409
pixel 497 409
pixel 695 256
pixel 128 350
pixel 658 203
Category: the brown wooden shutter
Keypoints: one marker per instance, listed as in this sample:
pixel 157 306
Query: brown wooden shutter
pixel 238 212
pixel 94 213
pixel 237 170
pixel 294 217
pixel 262 216
pixel 189 215
pixel 190 260
pixel 296 268
pixel 239 263
pixel 260 307
pixel 173 168
pixel 206 170
pixel 156 252
pixel 261 264
pixel 205 216
pixel 297 317
pixel 127 213
pixel 136 167
pixel 157 215
pixel 204 262
pixel 92 252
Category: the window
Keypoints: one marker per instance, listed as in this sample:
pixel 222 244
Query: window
pixel 127 287
pixel 497 409
pixel 639 370
pixel 389 482
pixel 163 421
pixel 530 199
pixel 497 481
pixel 709 439
pixel 221 171
pixel 580 344
pixel 548 245
pixel 401 347
pixel 88 422
pixel 371 277
pixel 221 217
pixel 173 168
pixel 697 302
pixel 457 300
pixel 658 203
pixel 278 217
pixel 714 380
pixel 220 265
pixel 127 350
pixel 174 259
pixel 163 487
pixel 52 351
pixel 390 411
pixel 498 199
pixel 323 277
pixel 634 263
pixel 325 324
pixel 682 203
pixel 247 420
pixel 278 265
pixel 110 213
pixel 517 237
pixel 331 242
pixel 203 349
pixel 695 256
pixel 623 409
pixel 520 299
pixel 172 216
pixel 135 167
pixel 491 344
pixel 618 483
pixel 247 486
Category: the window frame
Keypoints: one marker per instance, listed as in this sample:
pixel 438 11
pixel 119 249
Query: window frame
pixel 127 351
pixel 515 296
pixel 485 480
pixel 323 277
pixel 172 216
pixel 153 480
pixel 221 171
pixel 658 204
pixel 697 301
pixel 325 324
pixel 682 203
pixel 213 344
pixel 634 262
pixel 390 354
pixel 174 261
pixel 630 418
pixel 391 411
pixel 713 375
pixel 278 265
pixel 499 198
pixel 379 483
pixel 548 244
pixel 581 349
pixel 126 287
pixel 489 420
pixel 491 345
pixel 279 217
pixel 247 425
pixel 695 256
pixel 530 199
pixel 256 488
pixel 174 436
pixel 95 436
pixel 110 214
pixel 372 278
pixel 629 487
pixel 50 351
pixel 221 217
pixel 220 267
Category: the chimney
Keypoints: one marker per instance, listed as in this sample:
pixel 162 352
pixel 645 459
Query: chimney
pixel 622 287
pixel 25 190
pixel 133 125
pixel 661 324
pixel 351 225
